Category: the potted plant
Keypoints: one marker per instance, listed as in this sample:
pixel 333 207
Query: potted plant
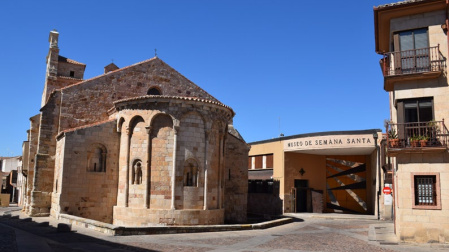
pixel 393 138
pixel 414 141
pixel 423 140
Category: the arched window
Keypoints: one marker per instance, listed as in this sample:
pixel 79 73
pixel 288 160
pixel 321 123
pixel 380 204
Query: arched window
pixel 154 91
pixel 191 173
pixel 96 158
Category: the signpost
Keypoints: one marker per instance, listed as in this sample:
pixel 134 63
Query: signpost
pixel 387 190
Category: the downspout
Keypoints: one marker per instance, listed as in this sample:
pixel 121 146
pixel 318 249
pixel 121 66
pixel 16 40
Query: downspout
pixel 447 23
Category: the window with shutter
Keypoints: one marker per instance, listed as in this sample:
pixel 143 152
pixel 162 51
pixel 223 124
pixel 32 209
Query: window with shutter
pixel 414 47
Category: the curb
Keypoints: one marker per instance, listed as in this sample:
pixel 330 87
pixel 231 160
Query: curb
pixel 125 231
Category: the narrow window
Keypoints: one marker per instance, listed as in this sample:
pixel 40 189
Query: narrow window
pixel 97 159
pixel 72 73
pixel 137 172
pixel 191 173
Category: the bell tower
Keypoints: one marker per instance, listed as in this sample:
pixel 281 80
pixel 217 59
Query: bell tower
pixel 61 71
pixel 52 65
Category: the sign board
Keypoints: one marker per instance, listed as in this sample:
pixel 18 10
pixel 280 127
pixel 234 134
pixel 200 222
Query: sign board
pixel 388 200
pixel 329 142
pixel 387 190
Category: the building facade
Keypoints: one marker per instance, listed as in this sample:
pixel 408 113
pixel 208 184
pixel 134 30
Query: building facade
pixel 137 146
pixel 412 37
pixel 11 179
pixel 321 172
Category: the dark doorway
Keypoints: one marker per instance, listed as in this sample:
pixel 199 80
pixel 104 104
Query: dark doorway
pixel 301 186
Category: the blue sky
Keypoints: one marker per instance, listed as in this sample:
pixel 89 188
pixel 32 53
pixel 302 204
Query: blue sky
pixel 283 66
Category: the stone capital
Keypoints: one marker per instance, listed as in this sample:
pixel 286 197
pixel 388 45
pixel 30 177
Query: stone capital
pixel 148 129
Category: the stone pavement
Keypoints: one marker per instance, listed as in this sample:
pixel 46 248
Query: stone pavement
pixel 307 233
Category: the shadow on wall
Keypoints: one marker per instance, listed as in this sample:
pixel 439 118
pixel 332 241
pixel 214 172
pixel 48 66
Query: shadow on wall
pixel 263 197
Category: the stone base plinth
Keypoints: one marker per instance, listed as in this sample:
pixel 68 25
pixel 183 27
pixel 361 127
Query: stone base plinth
pixel 143 217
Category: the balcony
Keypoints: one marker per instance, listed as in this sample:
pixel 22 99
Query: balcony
pixel 419 137
pixel 423 63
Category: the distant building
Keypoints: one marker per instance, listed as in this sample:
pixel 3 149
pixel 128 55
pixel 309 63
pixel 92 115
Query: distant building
pixel 323 172
pixel 135 146
pixel 9 167
pixel 412 37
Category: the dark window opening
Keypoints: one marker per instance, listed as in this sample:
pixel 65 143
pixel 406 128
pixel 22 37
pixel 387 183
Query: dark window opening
pixel 260 186
pixel 153 91
pixel 419 110
pixel 72 73
pixel 191 173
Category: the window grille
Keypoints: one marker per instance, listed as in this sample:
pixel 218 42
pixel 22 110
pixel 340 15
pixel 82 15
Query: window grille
pixel 425 191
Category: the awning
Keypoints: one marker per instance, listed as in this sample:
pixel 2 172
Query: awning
pixel 260 174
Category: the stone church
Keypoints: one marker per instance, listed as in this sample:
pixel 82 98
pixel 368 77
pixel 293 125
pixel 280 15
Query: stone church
pixel 136 146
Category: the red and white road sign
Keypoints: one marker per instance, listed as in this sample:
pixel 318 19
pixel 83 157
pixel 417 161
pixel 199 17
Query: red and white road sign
pixel 387 190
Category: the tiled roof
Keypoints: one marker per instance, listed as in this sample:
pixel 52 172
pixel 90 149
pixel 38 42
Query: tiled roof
pixel 84 126
pixel 69 78
pixel 185 98
pixel 64 59
pixel 399 3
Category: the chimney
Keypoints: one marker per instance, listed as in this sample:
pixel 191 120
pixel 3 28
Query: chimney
pixel 110 67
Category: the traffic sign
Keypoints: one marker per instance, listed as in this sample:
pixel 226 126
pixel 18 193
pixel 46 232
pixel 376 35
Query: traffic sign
pixel 387 190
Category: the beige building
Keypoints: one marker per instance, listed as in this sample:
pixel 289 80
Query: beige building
pixel 412 37
pixel 136 146
pixel 334 172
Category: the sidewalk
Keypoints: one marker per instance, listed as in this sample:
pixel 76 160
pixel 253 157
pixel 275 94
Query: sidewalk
pixel 13 239
pixel 381 232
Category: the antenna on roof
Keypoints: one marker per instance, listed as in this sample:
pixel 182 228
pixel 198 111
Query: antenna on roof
pixel 280 133
pixel 155 52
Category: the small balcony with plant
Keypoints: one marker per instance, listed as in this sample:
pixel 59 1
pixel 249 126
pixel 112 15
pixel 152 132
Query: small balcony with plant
pixel 417 137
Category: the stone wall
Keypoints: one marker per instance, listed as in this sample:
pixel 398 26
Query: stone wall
pixel 191 151
pixel 65 68
pixel 82 191
pixel 32 149
pixel 89 101
pixel 45 157
pixel 412 223
pixel 236 190
pixel 162 135
pixel 196 129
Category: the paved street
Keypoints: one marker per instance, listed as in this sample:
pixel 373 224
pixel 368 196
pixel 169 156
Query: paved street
pixel 307 233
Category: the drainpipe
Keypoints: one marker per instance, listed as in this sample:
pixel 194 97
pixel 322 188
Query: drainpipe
pixel 447 23
pixel 375 136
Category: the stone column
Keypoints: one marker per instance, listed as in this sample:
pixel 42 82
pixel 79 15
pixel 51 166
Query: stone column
pixel 128 136
pixel 175 145
pixel 103 161
pixel 148 177
pixel 220 168
pixel 223 165
pixel 206 140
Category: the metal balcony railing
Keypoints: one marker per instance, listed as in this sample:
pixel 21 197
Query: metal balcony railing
pixel 413 61
pixel 417 135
